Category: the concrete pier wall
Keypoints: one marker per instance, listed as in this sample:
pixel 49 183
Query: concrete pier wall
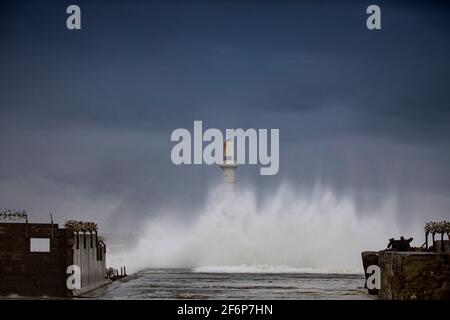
pixel 27 273
pixel 89 254
pixel 411 275
pixel 414 275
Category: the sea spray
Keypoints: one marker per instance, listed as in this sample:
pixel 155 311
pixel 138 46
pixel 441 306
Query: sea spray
pixel 290 229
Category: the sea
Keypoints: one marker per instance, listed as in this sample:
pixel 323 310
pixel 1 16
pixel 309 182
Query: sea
pixel 239 283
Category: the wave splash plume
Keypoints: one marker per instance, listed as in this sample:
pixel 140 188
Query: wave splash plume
pixel 287 232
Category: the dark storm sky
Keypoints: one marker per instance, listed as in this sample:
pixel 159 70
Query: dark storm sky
pixel 86 116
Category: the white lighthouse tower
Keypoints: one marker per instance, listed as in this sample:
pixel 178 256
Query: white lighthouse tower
pixel 229 166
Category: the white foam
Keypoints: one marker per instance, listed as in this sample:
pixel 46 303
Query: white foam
pixel 305 232
pixel 273 269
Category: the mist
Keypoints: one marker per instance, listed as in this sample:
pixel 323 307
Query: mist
pixel 288 231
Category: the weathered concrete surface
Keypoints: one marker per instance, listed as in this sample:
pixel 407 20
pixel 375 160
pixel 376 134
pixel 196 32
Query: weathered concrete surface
pixel 414 275
pixel 369 258
pixel 94 290
pixel 89 255
pixel 26 273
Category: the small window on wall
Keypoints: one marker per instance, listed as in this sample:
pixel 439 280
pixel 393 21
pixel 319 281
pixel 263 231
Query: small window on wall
pixel 39 245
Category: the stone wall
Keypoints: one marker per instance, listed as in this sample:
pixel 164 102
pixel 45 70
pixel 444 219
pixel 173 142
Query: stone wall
pixel 414 275
pixel 28 273
pixel 32 273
